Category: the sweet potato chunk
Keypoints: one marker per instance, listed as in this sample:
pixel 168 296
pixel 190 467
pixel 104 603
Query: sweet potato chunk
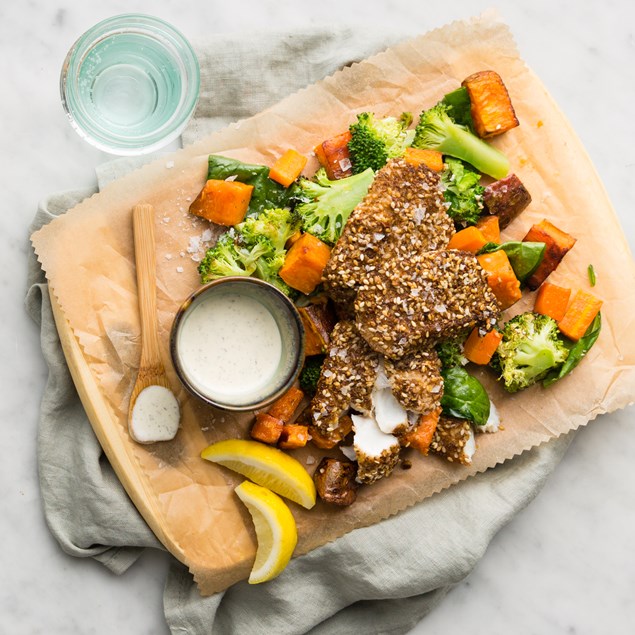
pixel 578 317
pixel 558 244
pixel 335 481
pixel 284 407
pixel 222 202
pixel 288 167
pixel 552 300
pixel 334 157
pixel 469 239
pixel 491 107
pixel 319 321
pixel 421 435
pixel 506 198
pixel 266 429
pixel 293 239
pixel 430 158
pixel 479 349
pixel 490 228
pixel 293 436
pixel 304 263
pixel 501 277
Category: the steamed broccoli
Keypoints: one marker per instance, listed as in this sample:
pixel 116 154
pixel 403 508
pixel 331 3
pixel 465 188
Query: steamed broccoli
pixel 311 373
pixel 253 247
pixel 276 225
pixel 530 348
pixel 374 141
pixel 450 351
pixel 227 258
pixel 460 107
pixel 462 192
pixel 267 268
pixel 437 131
pixel 325 205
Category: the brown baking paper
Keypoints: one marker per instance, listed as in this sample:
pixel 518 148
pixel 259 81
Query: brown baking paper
pixel 88 258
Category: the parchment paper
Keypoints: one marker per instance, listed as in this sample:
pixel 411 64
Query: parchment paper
pixel 89 261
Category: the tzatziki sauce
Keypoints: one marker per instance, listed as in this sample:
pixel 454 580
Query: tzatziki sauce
pixel 230 347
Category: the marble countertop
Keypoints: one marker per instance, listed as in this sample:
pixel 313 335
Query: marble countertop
pixel 564 565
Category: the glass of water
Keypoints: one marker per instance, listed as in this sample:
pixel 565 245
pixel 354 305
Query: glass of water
pixel 130 84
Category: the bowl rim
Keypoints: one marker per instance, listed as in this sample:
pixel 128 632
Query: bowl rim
pixel 287 305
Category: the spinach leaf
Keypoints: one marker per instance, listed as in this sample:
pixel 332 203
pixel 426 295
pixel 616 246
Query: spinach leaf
pixel 488 248
pixel 464 396
pixel 267 194
pixel 524 257
pixel 576 352
pixel 458 101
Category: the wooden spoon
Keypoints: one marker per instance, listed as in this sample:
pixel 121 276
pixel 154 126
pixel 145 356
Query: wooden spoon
pixel 151 369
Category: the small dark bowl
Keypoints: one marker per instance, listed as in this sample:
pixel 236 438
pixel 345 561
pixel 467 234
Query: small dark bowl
pixel 286 317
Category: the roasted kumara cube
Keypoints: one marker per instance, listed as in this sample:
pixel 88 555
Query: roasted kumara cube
pixel 222 202
pixel 557 242
pixel 293 436
pixel 318 321
pixel 506 198
pixel 266 429
pixel 284 407
pixel 491 107
pixel 334 157
pixel 304 263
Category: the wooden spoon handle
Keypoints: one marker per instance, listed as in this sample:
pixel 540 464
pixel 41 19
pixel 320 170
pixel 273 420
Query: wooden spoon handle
pixel 145 258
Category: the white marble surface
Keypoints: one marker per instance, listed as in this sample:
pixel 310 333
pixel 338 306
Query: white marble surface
pixel 564 565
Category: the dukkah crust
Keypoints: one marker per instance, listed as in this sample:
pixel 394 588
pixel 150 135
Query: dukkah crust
pixel 450 439
pixel 416 380
pixel 412 302
pixel 372 468
pixel 404 210
pixel 347 378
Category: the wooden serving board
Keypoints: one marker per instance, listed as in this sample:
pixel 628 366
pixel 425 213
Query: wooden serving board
pixel 109 432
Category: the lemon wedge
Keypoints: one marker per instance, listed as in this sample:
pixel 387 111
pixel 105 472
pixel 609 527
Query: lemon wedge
pixel 267 466
pixel 275 529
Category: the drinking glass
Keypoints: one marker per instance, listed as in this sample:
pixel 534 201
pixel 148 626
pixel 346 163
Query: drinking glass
pixel 130 84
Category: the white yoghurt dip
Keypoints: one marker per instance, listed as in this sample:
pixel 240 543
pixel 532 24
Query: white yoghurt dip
pixel 155 415
pixel 230 348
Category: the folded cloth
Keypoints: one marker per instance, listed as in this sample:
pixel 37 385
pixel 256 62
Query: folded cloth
pixel 379 579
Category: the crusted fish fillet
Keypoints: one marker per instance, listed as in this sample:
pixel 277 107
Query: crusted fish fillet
pixel 347 378
pixel 412 302
pixel 403 211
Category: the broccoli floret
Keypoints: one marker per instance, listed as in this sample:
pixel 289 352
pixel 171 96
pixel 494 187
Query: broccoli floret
pixel 462 192
pixel 460 107
pixel 267 268
pixel 254 247
pixel 450 352
pixel 530 348
pixel 326 205
pixel 311 373
pixel 276 225
pixel 437 131
pixel 271 229
pixel 227 258
pixel 374 141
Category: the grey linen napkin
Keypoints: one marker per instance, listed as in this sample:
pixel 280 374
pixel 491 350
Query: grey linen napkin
pixel 379 579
